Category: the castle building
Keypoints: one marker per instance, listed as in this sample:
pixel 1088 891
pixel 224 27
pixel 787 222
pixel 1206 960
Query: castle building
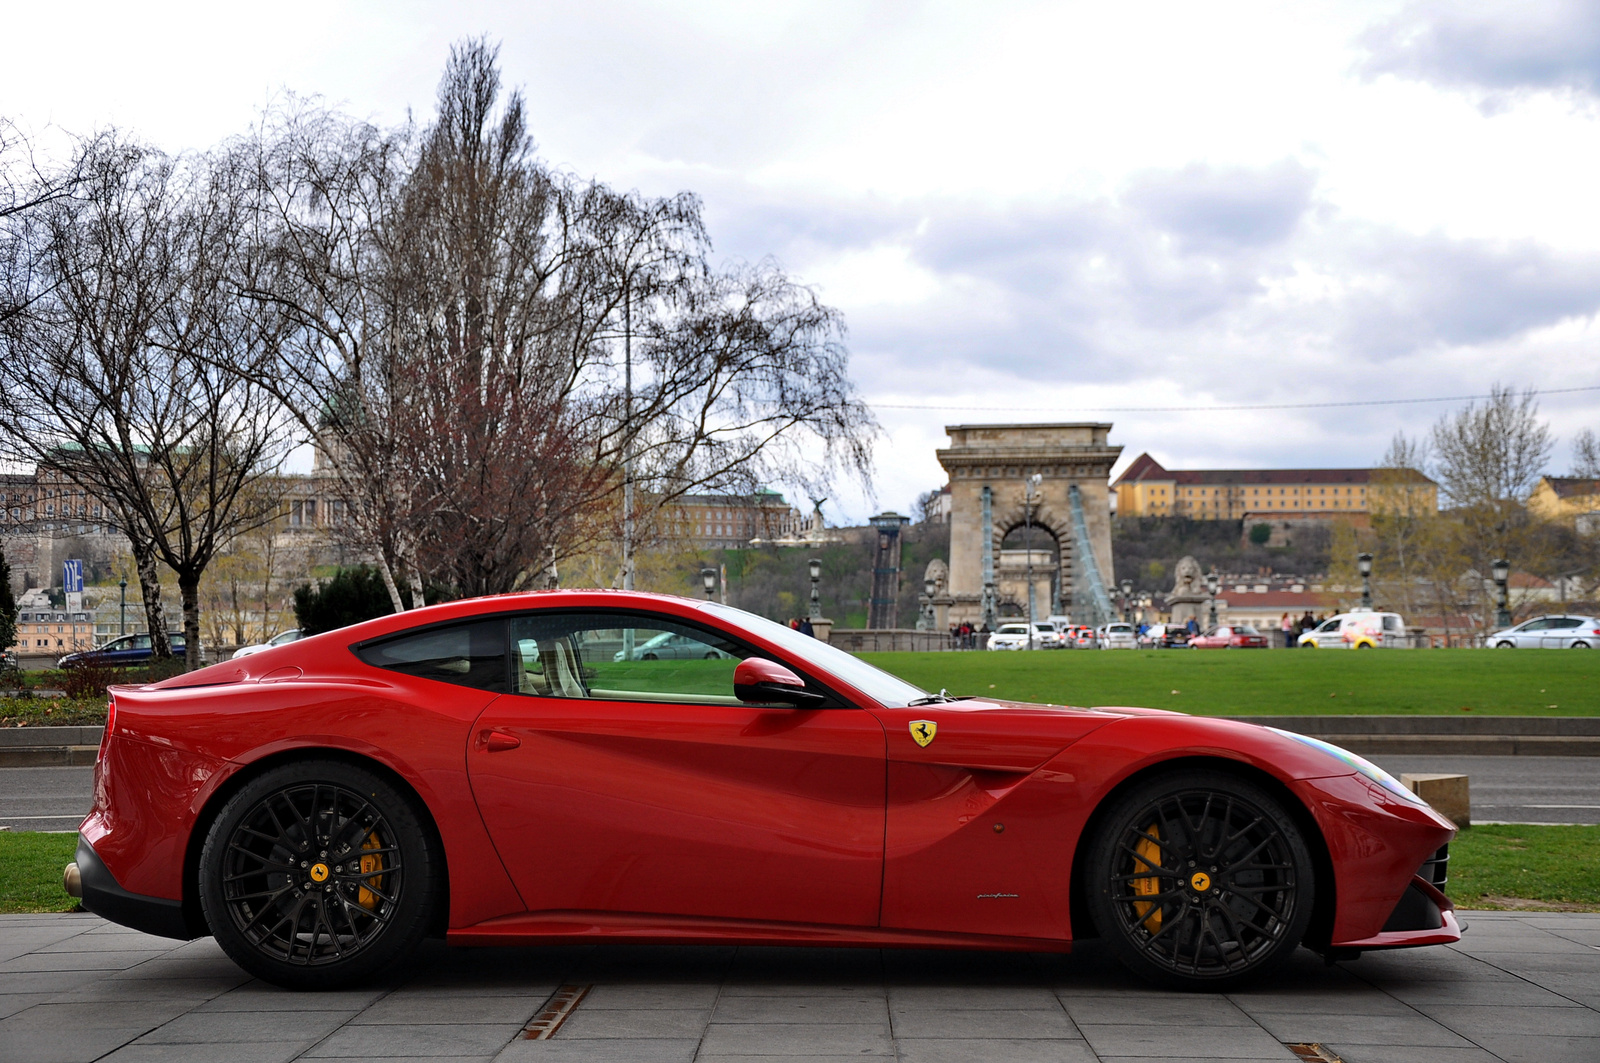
pixel 1147 489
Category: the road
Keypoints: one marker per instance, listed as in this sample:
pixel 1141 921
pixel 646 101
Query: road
pixel 1504 790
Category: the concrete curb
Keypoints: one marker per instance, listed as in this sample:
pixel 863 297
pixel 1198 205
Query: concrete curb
pixel 49 747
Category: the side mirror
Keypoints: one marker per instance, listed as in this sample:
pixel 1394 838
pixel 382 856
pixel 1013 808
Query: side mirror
pixel 758 679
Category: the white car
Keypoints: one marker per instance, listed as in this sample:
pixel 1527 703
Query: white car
pixel 1356 631
pixel 1010 637
pixel 1550 633
pixel 1046 636
pixel 280 639
pixel 1117 636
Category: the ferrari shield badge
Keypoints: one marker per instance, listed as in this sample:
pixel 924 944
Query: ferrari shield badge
pixel 922 731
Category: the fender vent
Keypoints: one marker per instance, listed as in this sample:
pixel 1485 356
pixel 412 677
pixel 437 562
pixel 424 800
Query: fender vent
pixel 1435 869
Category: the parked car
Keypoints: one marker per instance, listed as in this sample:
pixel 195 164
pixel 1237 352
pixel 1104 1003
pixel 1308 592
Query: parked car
pixel 1230 637
pixel 483 769
pixel 283 638
pixel 1550 633
pixel 1117 636
pixel 1046 636
pixel 121 652
pixel 1010 637
pixel 1356 631
pixel 1164 637
pixel 670 645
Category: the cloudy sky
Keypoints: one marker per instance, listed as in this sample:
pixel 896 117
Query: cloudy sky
pixel 1027 212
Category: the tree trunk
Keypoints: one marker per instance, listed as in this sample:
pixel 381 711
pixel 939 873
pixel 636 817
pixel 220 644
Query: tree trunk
pixel 418 597
pixel 189 596
pixel 387 572
pixel 144 559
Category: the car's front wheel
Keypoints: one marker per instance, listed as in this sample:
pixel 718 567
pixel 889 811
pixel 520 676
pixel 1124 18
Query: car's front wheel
pixel 317 874
pixel 1505 645
pixel 1200 879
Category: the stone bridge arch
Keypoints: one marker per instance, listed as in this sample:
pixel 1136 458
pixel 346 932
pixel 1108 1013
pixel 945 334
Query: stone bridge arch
pixel 999 459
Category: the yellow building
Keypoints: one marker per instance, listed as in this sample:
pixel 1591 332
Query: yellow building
pixel 1147 489
pixel 1564 497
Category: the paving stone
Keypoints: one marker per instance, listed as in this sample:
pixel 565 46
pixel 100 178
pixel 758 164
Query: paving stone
pixel 11 1003
pixel 1529 1048
pixel 646 997
pixel 1187 1010
pixel 798 989
pixel 1233 1042
pixel 34 962
pixel 1411 1054
pixel 1358 1029
pixel 387 1042
pixel 78 1045
pixel 991 1022
pixel 196 991
pixel 1351 1000
pixel 1471 1021
pixel 1424 995
pixel 973 998
pixel 653 1022
pixel 618 1050
pixel 995 1050
pixel 209 1027
pixel 795 1039
pixel 401 1007
pixel 261 996
pixel 210 1052
pixel 858 1008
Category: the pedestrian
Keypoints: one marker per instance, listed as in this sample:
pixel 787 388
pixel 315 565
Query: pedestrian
pixel 806 628
pixel 1192 627
pixel 1288 631
pixel 1307 622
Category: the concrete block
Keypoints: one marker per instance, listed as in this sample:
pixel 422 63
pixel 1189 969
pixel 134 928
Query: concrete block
pixel 1448 794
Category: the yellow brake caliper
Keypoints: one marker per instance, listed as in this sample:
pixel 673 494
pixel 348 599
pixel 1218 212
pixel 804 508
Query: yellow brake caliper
pixel 370 864
pixel 1150 854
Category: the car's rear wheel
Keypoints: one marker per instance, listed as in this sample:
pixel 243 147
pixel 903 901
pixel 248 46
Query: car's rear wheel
pixel 1200 880
pixel 318 874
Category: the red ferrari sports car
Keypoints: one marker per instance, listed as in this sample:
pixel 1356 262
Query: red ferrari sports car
pixel 510 770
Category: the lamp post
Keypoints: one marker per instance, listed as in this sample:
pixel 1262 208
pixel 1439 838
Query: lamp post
pixel 926 623
pixel 708 576
pixel 815 568
pixel 1213 583
pixel 1502 572
pixel 122 614
pixel 1127 603
pixel 1028 487
pixel 1364 564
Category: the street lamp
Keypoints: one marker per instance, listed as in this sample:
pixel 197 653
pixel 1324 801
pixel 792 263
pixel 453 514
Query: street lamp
pixel 1213 583
pixel 1127 605
pixel 1364 563
pixel 815 567
pixel 122 615
pixel 1028 487
pixel 1502 572
pixel 708 576
pixel 927 620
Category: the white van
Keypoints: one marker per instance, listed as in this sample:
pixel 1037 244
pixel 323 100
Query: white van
pixel 1356 631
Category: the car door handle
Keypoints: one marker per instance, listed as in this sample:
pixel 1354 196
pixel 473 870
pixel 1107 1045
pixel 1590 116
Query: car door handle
pixel 499 741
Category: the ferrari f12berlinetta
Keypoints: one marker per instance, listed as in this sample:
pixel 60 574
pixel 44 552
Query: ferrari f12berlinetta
pixel 530 769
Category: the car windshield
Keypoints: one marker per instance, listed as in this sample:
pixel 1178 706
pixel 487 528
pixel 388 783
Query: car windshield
pixel 887 690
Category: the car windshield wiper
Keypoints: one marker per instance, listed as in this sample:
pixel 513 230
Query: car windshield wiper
pixel 933 699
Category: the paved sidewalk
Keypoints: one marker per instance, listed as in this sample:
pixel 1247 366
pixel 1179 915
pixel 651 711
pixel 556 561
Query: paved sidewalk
pixel 1521 986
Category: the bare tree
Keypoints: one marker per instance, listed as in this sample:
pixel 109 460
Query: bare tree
pixel 25 186
pixel 483 343
pixel 1586 454
pixel 130 370
pixel 1402 516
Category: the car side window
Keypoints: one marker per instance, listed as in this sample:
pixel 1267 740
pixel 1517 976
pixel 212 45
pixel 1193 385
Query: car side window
pixel 1332 625
pixel 1566 622
pixel 1391 623
pixel 623 657
pixel 469 655
pixel 135 642
pixel 1536 625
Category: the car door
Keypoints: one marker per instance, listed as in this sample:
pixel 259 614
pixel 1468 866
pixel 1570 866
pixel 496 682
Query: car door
pixel 1558 636
pixel 646 789
pixel 1530 635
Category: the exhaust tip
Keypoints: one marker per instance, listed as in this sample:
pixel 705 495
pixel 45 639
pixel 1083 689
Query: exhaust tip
pixel 72 881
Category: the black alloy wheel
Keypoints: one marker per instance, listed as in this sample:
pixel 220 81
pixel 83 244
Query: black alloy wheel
pixel 1200 880
pixel 318 874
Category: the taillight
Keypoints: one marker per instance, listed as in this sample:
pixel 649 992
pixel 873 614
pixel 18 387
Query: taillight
pixel 111 723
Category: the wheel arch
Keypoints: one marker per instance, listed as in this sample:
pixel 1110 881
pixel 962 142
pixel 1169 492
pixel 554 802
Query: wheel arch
pixel 1318 933
pixel 194 919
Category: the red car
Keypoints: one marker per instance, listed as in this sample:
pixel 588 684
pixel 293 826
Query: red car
pixel 1235 637
pixel 504 771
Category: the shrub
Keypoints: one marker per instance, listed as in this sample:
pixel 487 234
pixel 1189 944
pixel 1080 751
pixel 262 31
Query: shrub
pixel 1260 533
pixel 351 596
pixel 88 680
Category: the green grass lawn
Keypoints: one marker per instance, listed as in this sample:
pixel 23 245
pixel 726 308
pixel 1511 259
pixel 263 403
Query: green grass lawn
pixel 1244 682
pixel 30 871
pixel 1500 866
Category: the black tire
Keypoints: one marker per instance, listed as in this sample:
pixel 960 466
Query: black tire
pixel 1505 645
pixel 318 874
pixel 649 657
pixel 1199 880
pixel 1580 646
pixel 711 656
